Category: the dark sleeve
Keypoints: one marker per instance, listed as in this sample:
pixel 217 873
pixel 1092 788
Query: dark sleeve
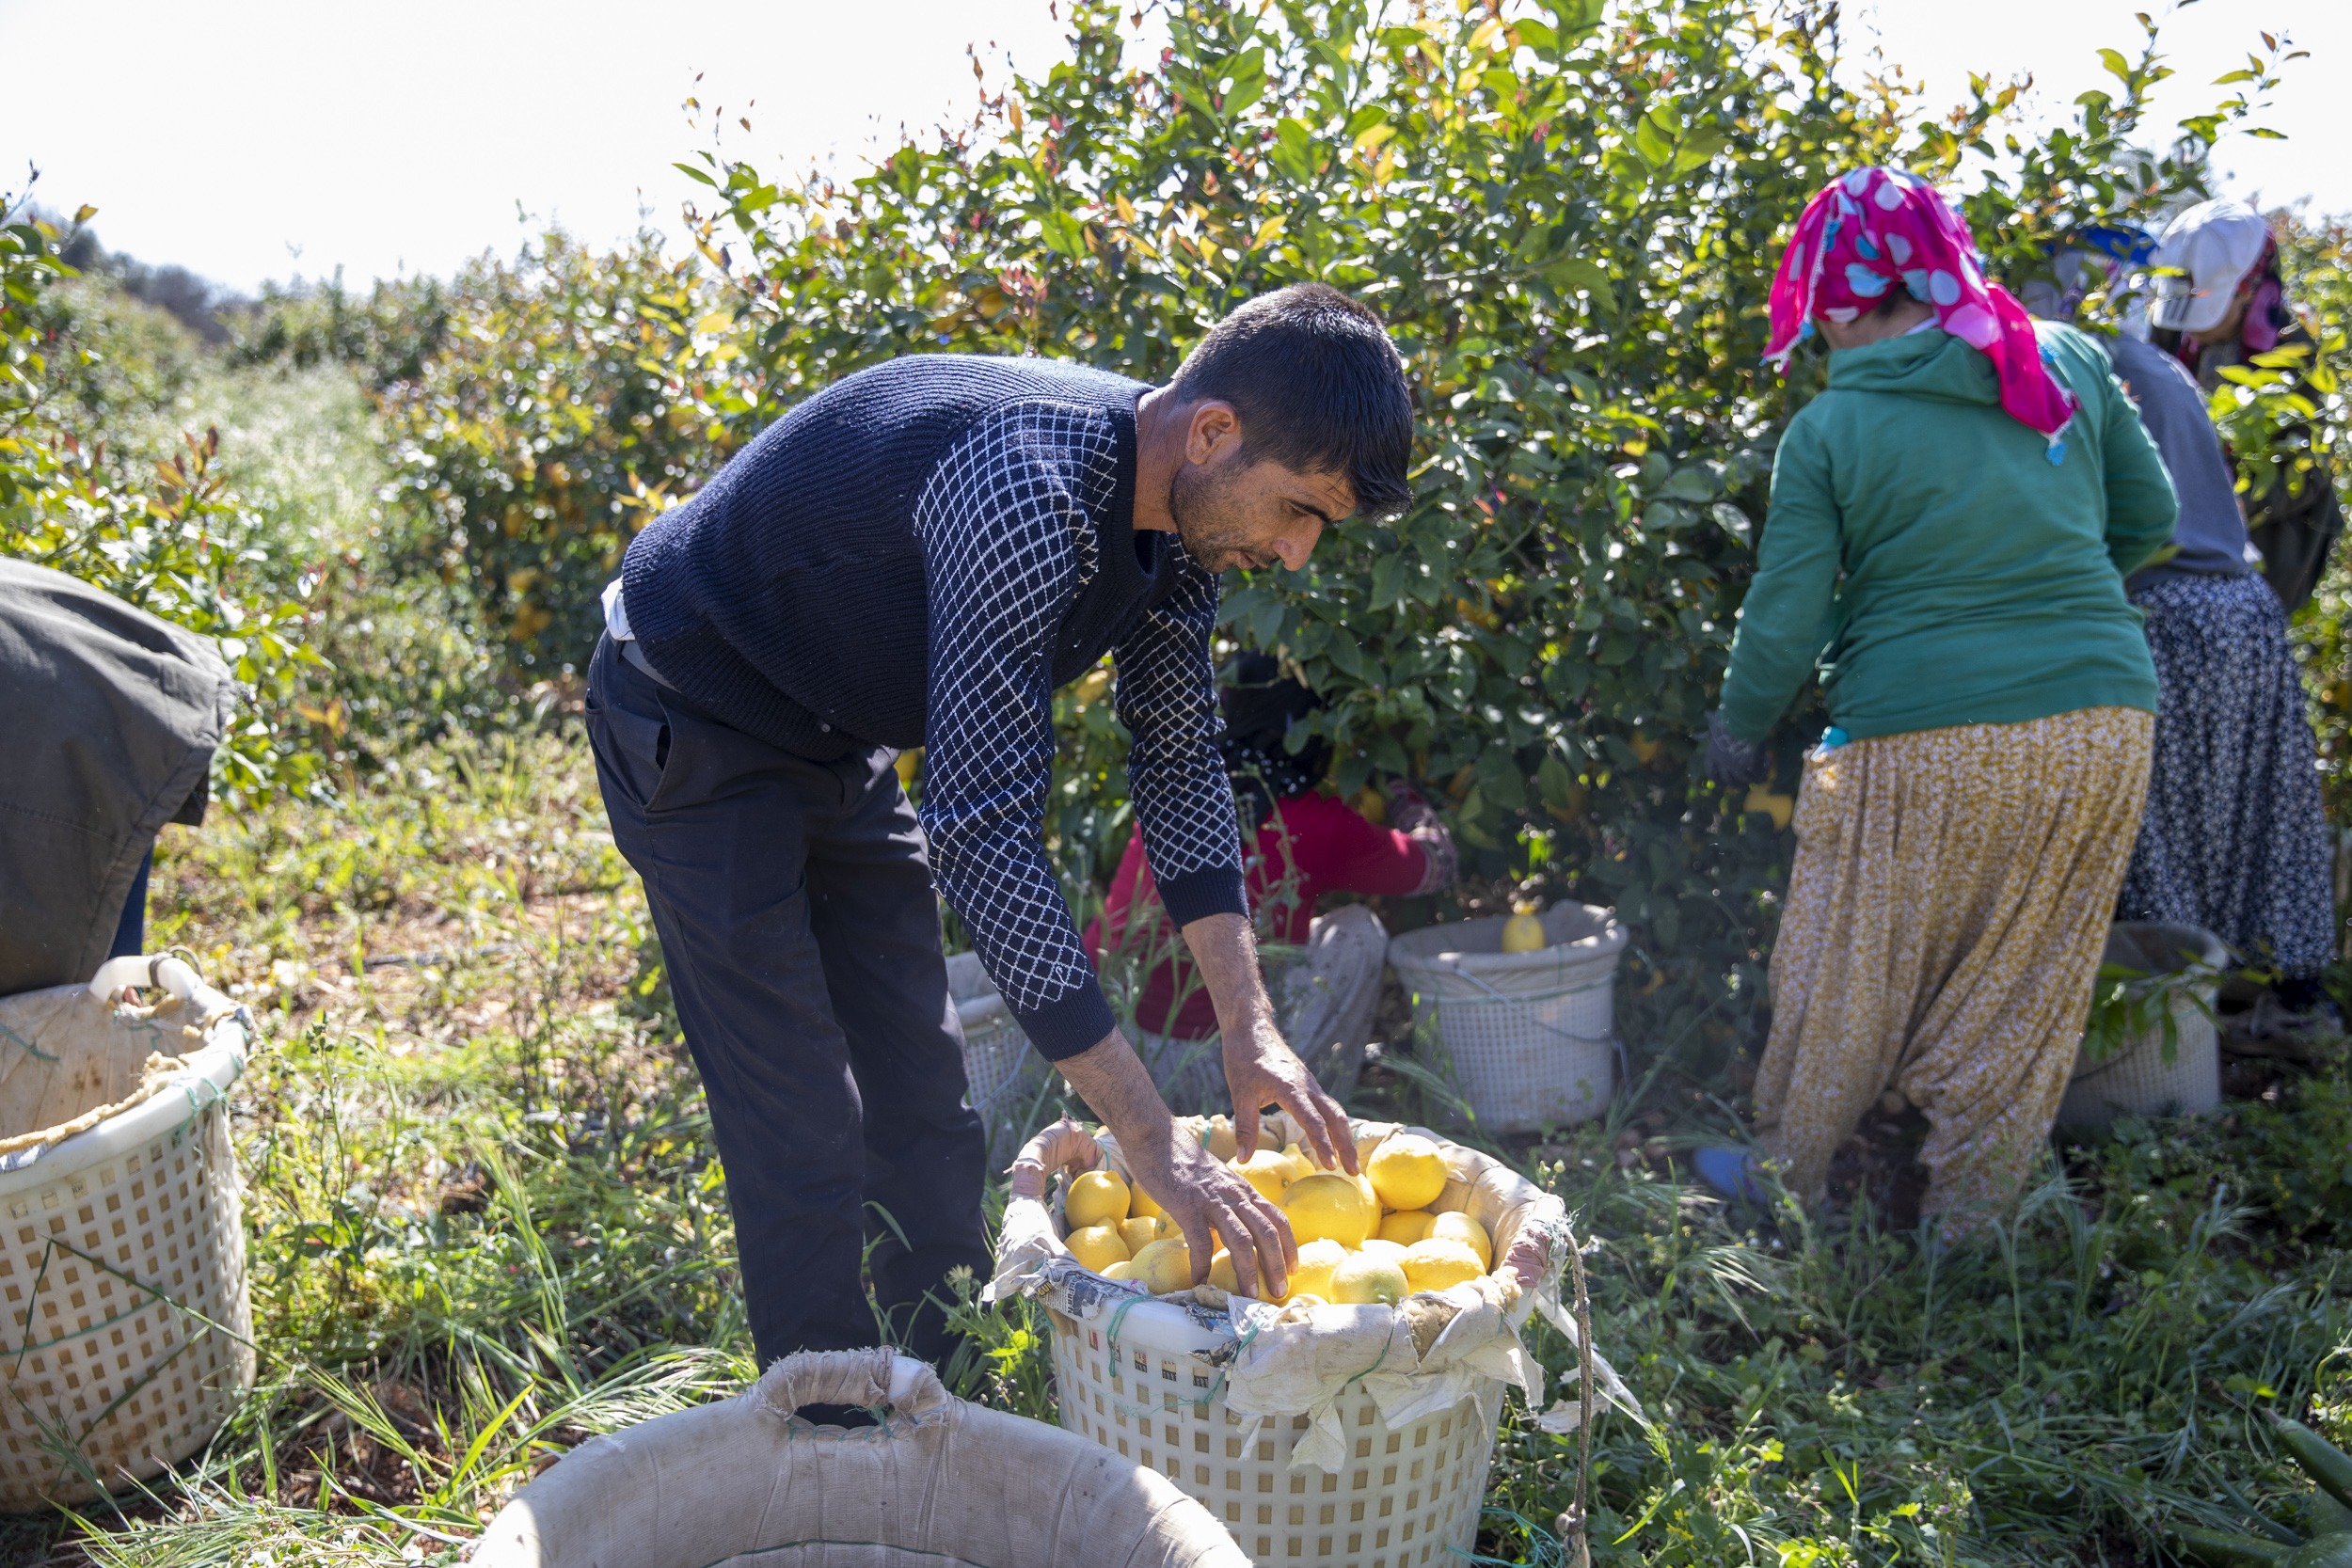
pixel 2141 506
pixel 1000 521
pixel 1166 697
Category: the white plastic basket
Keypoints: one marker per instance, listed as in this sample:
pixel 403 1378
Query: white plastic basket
pixel 1146 1389
pixel 2137 1081
pixel 1307 1472
pixel 1002 1070
pixel 124 1323
pixel 1530 1037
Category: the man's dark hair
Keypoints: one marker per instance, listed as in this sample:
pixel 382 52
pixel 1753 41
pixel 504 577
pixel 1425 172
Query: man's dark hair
pixel 1319 387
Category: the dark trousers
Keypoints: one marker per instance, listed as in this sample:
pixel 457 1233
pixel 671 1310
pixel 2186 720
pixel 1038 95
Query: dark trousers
pixel 800 936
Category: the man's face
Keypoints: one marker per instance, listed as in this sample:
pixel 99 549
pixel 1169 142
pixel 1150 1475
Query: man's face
pixel 1232 511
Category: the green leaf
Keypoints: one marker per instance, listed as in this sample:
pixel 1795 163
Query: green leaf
pixel 2118 67
pixel 1295 156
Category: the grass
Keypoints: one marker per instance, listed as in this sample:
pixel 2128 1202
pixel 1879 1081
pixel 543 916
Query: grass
pixel 484 1223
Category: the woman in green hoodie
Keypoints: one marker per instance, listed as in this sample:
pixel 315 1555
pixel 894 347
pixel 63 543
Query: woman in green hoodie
pixel 1952 524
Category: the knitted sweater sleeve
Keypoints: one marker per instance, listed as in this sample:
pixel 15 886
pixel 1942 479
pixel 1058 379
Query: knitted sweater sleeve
pixel 1166 697
pixel 1006 541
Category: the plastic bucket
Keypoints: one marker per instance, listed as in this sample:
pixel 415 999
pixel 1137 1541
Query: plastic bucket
pixel 2137 1081
pixel 1002 1070
pixel 1530 1037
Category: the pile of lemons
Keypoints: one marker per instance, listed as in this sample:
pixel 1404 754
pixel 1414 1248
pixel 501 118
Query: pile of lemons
pixel 1363 1240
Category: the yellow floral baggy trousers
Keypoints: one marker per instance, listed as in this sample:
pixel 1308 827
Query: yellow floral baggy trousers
pixel 1950 898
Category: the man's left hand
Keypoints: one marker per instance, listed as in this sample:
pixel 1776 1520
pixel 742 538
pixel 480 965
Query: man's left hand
pixel 1262 1070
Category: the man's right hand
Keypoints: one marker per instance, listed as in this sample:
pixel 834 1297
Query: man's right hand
pixel 1208 1199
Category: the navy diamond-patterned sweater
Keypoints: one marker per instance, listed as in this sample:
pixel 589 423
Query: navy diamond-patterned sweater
pixel 918 556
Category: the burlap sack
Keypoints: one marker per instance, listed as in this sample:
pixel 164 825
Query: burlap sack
pixel 940 1483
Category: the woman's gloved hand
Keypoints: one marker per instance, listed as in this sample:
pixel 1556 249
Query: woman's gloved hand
pixel 1733 763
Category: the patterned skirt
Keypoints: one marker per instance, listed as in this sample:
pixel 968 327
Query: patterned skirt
pixel 2233 839
pixel 1951 897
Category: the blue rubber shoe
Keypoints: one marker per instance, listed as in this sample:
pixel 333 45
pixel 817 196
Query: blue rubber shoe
pixel 1733 1173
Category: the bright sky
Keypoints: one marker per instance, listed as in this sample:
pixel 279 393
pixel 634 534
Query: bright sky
pixel 261 138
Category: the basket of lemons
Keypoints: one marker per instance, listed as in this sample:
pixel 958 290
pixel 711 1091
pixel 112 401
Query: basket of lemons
pixel 1351 1421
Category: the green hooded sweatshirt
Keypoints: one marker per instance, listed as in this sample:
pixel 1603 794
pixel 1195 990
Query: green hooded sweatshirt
pixel 1926 553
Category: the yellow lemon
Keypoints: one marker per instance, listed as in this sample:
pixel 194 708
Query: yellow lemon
pixel 1122 1270
pixel 1523 933
pixel 1267 1171
pixel 1462 1229
pixel 1393 1251
pixel 1328 1208
pixel 1221 1271
pixel 1304 1299
pixel 1164 1267
pixel 1371 805
pixel 1780 808
pixel 1096 1198
pixel 907 762
pixel 1318 1262
pixel 1407 1227
pixel 1097 1246
pixel 1141 1205
pixel 1436 1264
pixel 1366 1278
pixel 1302 1163
pixel 1219 1140
pixel 1140 1233
pixel 1406 1172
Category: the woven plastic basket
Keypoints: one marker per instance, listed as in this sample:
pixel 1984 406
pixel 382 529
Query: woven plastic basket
pixel 1147 1391
pixel 1148 1378
pixel 1002 1071
pixel 2137 1081
pixel 1530 1037
pixel 937 1483
pixel 126 1331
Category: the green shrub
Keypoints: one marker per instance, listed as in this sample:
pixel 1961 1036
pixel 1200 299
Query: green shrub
pixel 166 534
pixel 572 396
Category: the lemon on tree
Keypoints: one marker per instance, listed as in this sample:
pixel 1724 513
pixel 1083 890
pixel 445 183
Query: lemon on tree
pixel 1095 1197
pixel 1406 1172
pixel 1330 1208
pixel 1097 1246
pixel 1462 1229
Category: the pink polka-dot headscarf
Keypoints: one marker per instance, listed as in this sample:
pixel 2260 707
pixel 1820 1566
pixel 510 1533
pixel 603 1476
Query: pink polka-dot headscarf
pixel 1874 229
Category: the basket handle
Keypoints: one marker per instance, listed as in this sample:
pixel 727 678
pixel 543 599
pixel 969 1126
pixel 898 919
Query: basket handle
pixel 872 1378
pixel 1065 1146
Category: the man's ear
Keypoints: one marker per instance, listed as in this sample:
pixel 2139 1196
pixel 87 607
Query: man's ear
pixel 1213 432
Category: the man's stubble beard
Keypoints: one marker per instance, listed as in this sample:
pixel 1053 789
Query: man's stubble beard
pixel 1194 501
